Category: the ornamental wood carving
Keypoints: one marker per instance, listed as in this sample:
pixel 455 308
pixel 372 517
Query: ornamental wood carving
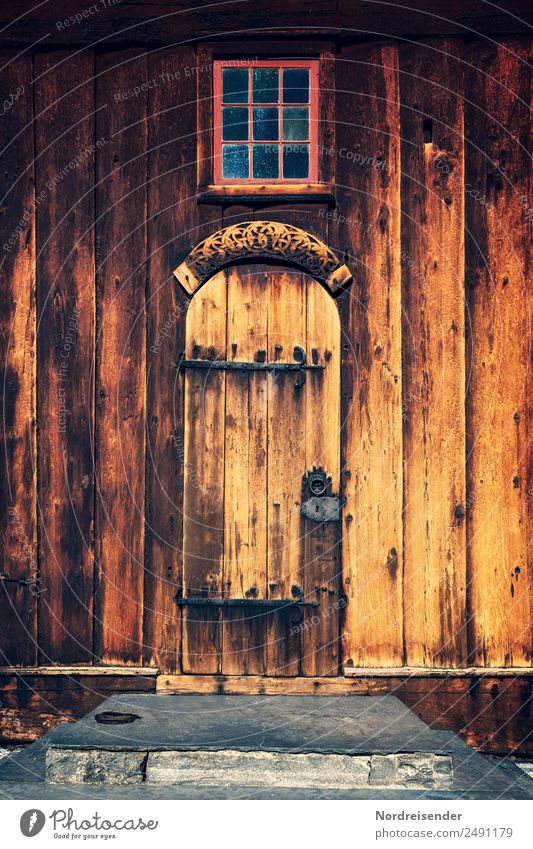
pixel 258 239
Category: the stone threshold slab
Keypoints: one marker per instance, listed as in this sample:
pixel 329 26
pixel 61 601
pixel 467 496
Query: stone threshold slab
pixel 297 724
pixel 415 771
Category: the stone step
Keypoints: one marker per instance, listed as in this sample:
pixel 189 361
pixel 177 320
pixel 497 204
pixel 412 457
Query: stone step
pixel 265 741
pixel 197 747
pixel 249 769
pixel 278 769
pixel 299 724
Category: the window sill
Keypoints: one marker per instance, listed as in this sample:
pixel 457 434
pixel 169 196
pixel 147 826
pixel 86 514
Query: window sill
pixel 270 192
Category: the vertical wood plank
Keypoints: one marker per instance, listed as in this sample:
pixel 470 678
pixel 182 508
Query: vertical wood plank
pixel 322 561
pixel 64 167
pixel 203 498
pixel 365 227
pixel 120 356
pixel 497 127
pixel 286 465
pixel 18 524
pixel 172 227
pixel 431 84
pixel 245 485
pixel 176 222
pixel 205 111
pixel 327 116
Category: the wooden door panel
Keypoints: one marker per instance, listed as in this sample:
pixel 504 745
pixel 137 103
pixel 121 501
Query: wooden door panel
pixel 250 437
pixel 203 496
pixel 286 465
pixel 245 517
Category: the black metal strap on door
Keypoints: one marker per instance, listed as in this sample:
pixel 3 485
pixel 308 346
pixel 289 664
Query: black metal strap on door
pixel 267 604
pixel 300 365
pixel 223 365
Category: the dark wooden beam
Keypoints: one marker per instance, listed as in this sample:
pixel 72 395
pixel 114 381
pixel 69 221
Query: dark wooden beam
pixel 61 22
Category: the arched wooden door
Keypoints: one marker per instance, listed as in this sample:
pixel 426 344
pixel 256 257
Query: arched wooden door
pixel 252 432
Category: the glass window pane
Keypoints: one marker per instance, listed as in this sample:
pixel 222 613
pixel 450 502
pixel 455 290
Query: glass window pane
pixel 266 161
pixel 265 85
pixel 235 161
pixel 235 85
pixel 295 123
pixel 296 85
pixel 295 161
pixel 234 123
pixel 266 123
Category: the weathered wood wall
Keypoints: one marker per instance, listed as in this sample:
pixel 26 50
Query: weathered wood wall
pixel 432 213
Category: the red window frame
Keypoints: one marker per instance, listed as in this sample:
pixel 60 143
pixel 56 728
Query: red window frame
pixel 312 65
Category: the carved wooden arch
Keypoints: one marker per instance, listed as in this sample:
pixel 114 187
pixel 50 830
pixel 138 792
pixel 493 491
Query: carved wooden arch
pixel 262 239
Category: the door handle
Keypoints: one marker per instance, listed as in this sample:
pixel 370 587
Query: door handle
pixel 320 505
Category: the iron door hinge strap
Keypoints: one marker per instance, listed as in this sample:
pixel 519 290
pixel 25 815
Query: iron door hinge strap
pixel 23 582
pixel 277 603
pixel 299 366
pixel 266 604
pixel 234 365
pixel 278 368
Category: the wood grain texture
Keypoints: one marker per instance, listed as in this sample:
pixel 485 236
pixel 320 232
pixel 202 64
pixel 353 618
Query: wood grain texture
pixel 366 228
pixel 175 223
pixel 18 521
pixel 497 128
pixel 204 115
pixel 245 481
pixel 120 356
pixel 287 316
pixel 431 88
pixel 327 165
pixel 436 671
pixel 64 174
pixel 172 224
pixel 319 554
pixel 78 671
pixel 203 498
pixel 321 567
pixel 274 193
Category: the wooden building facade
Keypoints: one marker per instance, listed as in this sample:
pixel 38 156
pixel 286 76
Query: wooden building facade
pixel 135 481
